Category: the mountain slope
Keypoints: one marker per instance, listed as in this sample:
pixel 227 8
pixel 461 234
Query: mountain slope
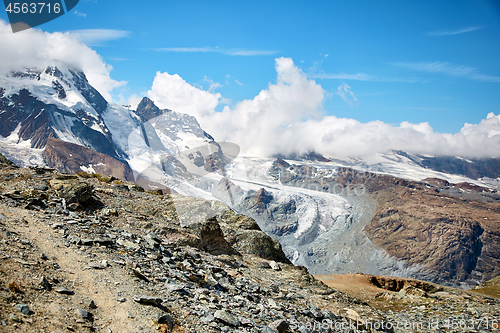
pixel 54 102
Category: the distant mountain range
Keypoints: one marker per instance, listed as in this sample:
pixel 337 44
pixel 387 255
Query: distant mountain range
pixel 331 215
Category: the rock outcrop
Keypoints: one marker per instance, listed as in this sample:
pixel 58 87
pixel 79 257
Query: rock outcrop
pixel 71 158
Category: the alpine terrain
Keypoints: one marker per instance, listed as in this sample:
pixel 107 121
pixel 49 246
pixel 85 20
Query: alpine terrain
pixel 212 221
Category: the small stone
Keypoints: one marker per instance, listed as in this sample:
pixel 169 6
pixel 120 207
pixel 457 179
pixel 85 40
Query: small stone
pixel 280 325
pixel 148 300
pixel 128 244
pixel 351 314
pixel 264 265
pixel 165 319
pixel 99 265
pixel 177 288
pixel 91 304
pixel 64 291
pixel 73 239
pixel 140 275
pixel 210 280
pixel 23 308
pixel 122 299
pixel 45 284
pixel 207 319
pixel 85 315
pixel 273 304
pixel 274 265
pixel 227 318
pixel 245 321
pixel 14 318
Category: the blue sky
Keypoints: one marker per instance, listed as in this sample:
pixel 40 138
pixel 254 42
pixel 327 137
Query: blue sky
pixel 394 61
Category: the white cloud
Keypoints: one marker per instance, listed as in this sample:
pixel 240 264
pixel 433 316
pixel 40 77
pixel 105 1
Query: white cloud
pixel 77 13
pixel 238 82
pixel 286 118
pixel 454 32
pixel 212 84
pixel 358 77
pixel 260 125
pixel 449 69
pixel 206 49
pixel 36 49
pixel 98 36
pixel 345 92
pixel 343 76
pixel 173 92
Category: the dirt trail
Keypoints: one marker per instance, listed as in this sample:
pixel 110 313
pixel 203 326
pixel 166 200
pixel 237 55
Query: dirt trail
pixel 101 286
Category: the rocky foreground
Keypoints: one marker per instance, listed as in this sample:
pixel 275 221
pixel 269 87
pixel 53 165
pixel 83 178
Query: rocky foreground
pixel 91 253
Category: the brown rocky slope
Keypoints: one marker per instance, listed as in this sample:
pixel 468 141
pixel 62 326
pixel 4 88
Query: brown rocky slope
pixel 450 232
pixel 433 226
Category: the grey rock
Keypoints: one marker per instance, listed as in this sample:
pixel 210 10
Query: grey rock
pixel 64 291
pixel 74 239
pixel 148 300
pixel 128 244
pixel 164 318
pixel 207 319
pixel 227 318
pixel 90 303
pixel 23 308
pixel 45 284
pixel 99 265
pixel 274 265
pixel 86 315
pixel 152 240
pixel 279 325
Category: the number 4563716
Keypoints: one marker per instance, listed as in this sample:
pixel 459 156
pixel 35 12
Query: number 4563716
pixel 33 8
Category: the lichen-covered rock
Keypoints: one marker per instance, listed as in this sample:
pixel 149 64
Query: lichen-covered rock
pixel 72 190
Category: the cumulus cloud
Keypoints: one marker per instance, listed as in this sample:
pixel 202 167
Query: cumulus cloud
pixel 173 92
pixel 36 49
pixel 286 118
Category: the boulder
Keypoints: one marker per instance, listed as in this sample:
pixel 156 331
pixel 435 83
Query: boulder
pixel 72 190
